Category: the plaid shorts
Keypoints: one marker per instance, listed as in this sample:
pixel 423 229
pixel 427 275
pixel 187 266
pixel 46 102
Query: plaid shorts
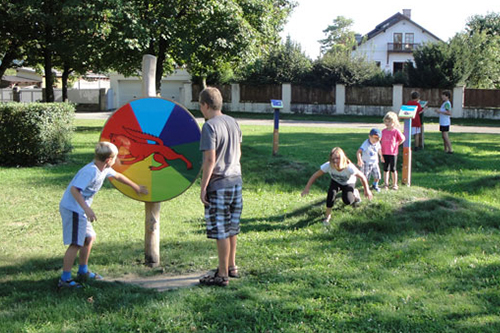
pixel 371 170
pixel 222 215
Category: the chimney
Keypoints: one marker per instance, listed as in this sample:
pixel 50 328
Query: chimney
pixel 358 38
pixel 407 13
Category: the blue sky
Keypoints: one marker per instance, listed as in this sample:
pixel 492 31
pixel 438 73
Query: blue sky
pixel 442 18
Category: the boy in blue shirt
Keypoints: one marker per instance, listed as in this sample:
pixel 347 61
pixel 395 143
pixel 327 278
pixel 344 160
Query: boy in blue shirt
pixel 368 157
pixel 77 215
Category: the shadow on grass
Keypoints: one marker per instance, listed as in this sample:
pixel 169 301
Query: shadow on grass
pixel 309 214
pixel 424 216
pixel 86 129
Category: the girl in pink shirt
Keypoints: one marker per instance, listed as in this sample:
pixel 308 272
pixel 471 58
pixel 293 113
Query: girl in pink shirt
pixel 391 139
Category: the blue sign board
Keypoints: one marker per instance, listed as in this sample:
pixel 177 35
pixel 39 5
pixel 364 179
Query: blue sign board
pixel 408 111
pixel 277 104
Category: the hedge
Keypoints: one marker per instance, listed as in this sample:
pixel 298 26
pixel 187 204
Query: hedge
pixel 35 133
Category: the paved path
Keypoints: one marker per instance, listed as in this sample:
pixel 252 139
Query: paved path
pixel 161 282
pixel 312 123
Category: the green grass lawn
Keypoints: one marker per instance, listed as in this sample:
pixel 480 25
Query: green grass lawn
pixel 422 259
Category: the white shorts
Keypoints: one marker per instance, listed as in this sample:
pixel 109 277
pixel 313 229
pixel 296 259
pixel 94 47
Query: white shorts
pixel 75 227
pixel 416 130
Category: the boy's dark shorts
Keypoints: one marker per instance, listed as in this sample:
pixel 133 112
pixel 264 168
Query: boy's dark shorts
pixel 444 128
pixel 223 213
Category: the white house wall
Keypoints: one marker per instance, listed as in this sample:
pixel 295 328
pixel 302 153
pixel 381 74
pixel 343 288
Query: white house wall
pixel 375 49
pixel 126 89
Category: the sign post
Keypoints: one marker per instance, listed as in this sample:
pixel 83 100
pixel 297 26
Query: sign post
pixel 158 147
pixel 407 112
pixel 276 105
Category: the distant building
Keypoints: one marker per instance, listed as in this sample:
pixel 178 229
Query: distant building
pixel 9 81
pixel 392 42
pixel 28 78
pixel 126 89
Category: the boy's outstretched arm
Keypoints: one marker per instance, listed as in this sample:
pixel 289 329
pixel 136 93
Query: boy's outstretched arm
pixel 139 189
pixel 313 178
pixel 382 159
pixel 75 192
pixel 366 187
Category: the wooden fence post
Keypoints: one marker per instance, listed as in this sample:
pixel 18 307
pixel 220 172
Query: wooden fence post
pixel 152 223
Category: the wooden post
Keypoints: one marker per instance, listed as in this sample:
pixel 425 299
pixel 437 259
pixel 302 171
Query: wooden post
pixel 406 178
pixel 276 131
pixel 152 223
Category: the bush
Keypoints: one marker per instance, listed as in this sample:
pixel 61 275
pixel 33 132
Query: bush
pixel 35 133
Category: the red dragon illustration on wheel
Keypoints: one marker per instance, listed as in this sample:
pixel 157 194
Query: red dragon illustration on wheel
pixel 138 147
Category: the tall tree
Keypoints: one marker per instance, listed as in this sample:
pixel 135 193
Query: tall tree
pixel 14 36
pixel 437 65
pixel 284 63
pixel 204 35
pixel 339 36
pixel 230 32
pixel 480 48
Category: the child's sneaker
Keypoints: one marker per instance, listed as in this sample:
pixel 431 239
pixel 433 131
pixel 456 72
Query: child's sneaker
pixel 326 220
pixel 70 284
pixel 88 276
pixel 376 188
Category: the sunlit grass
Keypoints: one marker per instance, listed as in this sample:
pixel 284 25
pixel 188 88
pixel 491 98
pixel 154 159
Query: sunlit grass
pixel 422 259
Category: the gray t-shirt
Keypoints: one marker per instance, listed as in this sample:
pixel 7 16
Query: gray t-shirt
pixel 223 134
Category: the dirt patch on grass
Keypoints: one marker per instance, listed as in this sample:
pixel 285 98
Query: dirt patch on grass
pixel 161 282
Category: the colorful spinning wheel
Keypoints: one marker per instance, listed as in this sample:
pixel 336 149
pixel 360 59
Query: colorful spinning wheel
pixel 158 146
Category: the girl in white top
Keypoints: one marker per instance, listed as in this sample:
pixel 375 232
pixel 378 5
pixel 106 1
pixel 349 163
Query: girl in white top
pixel 445 120
pixel 343 175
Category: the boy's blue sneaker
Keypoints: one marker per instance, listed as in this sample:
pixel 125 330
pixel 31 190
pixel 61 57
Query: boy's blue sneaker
pixel 88 276
pixel 70 284
pixel 376 188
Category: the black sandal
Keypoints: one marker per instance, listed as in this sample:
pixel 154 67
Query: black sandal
pixel 233 272
pixel 214 280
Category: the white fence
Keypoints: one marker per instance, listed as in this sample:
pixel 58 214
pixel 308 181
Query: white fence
pixel 6 95
pixel 94 99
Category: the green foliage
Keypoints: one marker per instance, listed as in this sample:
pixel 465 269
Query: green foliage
pixel 340 67
pixel 489 23
pixel 480 49
pixel 35 133
pixel 285 63
pixel 421 259
pixel 471 58
pixel 232 32
pixel 339 36
pixel 438 65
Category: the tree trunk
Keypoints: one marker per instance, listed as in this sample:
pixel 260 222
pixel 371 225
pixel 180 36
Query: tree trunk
pixel 203 82
pixel 65 75
pixel 49 78
pixel 162 51
pixel 6 62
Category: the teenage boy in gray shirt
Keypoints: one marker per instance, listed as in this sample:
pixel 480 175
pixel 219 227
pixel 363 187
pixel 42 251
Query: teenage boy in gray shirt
pixel 221 183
